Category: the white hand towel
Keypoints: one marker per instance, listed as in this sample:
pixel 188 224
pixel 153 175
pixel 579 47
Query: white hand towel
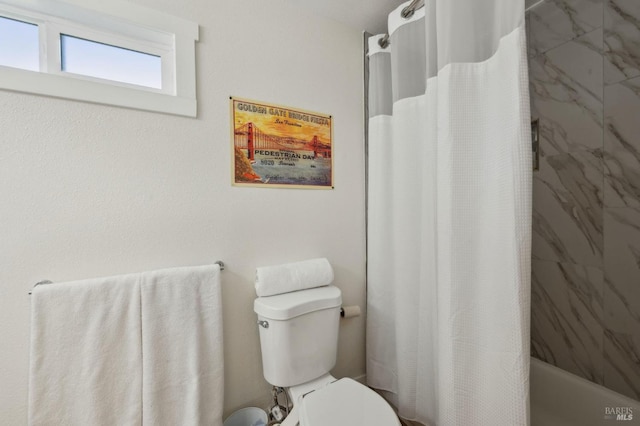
pixel 183 381
pixel 290 277
pixel 85 353
pixel 128 350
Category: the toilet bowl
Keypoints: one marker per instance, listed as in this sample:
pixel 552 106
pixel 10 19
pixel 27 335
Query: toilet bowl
pixel 299 342
pixel 346 402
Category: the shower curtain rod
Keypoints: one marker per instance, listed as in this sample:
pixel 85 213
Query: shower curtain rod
pixel 406 13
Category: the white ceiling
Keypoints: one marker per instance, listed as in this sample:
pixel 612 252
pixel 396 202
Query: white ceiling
pixel 368 15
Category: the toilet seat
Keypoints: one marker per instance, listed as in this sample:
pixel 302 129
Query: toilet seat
pixel 346 402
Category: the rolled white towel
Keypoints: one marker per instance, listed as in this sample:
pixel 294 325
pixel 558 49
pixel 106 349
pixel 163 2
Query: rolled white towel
pixel 295 276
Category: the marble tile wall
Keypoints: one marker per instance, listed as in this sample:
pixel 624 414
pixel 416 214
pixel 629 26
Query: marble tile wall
pixel 584 69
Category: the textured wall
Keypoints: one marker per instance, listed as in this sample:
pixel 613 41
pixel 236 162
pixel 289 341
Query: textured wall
pixel 584 66
pixel 90 190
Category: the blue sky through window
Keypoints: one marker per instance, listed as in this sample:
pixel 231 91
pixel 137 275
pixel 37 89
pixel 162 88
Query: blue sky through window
pixel 19 46
pixel 90 58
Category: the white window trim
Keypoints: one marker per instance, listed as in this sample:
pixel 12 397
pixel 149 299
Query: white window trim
pixel 112 22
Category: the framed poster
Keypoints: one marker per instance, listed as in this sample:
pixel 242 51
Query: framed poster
pixel 278 146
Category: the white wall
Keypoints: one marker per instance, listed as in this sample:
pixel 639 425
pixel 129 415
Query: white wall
pixel 89 190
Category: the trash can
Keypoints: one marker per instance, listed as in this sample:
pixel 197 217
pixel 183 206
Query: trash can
pixel 250 416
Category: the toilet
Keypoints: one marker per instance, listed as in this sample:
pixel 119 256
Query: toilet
pixel 299 342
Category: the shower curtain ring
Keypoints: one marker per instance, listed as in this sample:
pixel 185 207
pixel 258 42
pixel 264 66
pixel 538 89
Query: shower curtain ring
pixel 407 12
pixel 384 41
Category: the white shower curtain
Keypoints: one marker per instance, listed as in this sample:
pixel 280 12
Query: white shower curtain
pixel 449 214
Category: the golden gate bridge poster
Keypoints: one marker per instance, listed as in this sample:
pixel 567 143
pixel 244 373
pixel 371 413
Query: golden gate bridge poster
pixel 278 146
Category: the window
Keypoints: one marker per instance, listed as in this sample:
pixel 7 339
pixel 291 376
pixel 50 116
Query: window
pixel 115 53
pixel 94 59
pixel 19 44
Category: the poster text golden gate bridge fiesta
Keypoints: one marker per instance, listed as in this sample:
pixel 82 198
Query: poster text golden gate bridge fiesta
pixel 280 146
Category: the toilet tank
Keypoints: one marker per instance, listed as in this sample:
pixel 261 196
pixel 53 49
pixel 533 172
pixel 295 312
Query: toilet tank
pixel 298 334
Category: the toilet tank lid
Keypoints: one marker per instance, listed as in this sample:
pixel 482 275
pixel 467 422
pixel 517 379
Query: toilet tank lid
pixel 289 305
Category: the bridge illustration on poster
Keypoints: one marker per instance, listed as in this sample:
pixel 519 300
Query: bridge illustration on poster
pixel 278 146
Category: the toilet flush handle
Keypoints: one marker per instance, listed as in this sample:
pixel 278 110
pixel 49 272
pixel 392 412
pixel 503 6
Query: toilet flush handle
pixel 264 324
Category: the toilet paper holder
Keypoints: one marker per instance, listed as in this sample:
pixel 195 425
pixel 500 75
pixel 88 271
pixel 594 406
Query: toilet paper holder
pixel 350 311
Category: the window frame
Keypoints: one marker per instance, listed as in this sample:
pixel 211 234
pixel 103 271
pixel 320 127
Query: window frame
pixel 114 23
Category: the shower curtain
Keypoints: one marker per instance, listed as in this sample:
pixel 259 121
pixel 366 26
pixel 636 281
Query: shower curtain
pixel 449 214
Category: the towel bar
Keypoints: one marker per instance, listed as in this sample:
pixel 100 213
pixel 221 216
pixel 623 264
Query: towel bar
pixel 40 283
pixel 217 262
